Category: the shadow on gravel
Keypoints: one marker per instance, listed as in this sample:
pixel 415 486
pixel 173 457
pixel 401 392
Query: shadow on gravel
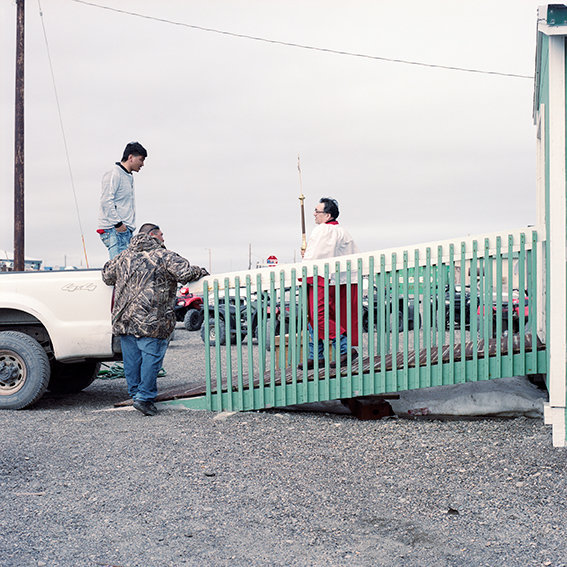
pixel 100 394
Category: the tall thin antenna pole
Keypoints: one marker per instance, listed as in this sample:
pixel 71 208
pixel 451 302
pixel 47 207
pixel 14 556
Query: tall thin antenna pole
pixel 302 209
pixel 210 260
pixel 19 255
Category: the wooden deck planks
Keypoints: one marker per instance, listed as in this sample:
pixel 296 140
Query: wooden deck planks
pixel 200 390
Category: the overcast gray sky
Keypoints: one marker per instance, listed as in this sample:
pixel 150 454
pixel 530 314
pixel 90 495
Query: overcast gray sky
pixel 412 153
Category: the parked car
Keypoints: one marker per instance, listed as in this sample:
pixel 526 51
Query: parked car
pixel 519 309
pixel 398 314
pixel 189 309
pixel 457 301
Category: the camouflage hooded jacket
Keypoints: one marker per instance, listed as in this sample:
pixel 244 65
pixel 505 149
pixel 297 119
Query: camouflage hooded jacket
pixel 145 277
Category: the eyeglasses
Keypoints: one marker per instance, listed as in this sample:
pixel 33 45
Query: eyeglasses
pixel 319 212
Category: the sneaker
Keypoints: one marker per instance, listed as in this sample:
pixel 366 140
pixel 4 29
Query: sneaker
pixel 311 364
pixel 344 358
pixel 147 408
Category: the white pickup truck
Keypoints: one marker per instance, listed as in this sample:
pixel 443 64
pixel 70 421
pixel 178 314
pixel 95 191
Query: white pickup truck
pixel 55 329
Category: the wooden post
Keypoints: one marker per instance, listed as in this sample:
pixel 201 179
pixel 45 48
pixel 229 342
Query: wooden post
pixel 19 255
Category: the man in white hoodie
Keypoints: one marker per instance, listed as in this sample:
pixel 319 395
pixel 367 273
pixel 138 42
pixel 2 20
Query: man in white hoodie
pixel 329 240
pixel 117 212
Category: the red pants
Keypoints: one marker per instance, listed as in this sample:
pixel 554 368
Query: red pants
pixel 343 290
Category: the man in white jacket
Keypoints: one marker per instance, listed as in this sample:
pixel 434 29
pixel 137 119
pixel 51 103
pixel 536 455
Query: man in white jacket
pixel 117 212
pixel 328 240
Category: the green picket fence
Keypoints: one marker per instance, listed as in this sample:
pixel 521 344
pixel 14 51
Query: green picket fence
pixel 438 314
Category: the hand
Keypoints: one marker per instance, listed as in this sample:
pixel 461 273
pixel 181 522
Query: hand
pixel 122 228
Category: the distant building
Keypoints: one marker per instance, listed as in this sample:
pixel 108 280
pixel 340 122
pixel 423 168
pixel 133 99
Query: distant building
pixel 7 262
pixel 269 263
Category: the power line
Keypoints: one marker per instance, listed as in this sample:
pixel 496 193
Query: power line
pixel 63 132
pixel 301 46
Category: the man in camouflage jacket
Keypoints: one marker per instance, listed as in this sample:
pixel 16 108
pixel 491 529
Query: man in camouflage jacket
pixel 145 278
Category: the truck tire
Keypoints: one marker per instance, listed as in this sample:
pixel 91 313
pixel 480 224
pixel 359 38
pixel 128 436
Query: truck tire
pixel 213 333
pixel 365 320
pixel 72 377
pixel 24 370
pixel 277 332
pixel 193 319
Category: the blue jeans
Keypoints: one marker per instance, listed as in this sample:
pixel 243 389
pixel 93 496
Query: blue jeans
pixel 115 241
pixel 142 361
pixel 343 344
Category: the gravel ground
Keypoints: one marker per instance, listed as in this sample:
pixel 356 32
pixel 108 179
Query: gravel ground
pixel 82 484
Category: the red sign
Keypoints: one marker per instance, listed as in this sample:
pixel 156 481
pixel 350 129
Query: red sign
pixel 272 261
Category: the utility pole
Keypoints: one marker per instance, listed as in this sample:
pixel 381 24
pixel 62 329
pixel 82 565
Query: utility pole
pixel 250 255
pixel 19 256
pixel 210 260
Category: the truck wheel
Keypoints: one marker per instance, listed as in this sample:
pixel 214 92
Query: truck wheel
pixel 268 335
pixel 72 377
pixel 213 334
pixel 24 370
pixel 193 319
pixel 179 314
pixel 365 321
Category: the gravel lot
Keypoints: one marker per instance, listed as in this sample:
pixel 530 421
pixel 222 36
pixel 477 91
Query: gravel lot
pixel 83 484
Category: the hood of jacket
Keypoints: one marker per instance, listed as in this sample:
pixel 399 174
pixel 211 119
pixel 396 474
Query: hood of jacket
pixel 143 242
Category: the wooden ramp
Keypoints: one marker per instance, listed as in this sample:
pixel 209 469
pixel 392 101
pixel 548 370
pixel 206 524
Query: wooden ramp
pixel 431 356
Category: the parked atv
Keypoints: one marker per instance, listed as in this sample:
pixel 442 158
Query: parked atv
pixel 189 309
pixel 229 311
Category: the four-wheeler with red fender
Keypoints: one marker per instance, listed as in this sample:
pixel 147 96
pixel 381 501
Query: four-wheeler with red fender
pixel 189 309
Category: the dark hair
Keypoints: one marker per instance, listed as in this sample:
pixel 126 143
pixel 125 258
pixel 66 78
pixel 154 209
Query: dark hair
pixel 148 228
pixel 134 149
pixel 330 206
